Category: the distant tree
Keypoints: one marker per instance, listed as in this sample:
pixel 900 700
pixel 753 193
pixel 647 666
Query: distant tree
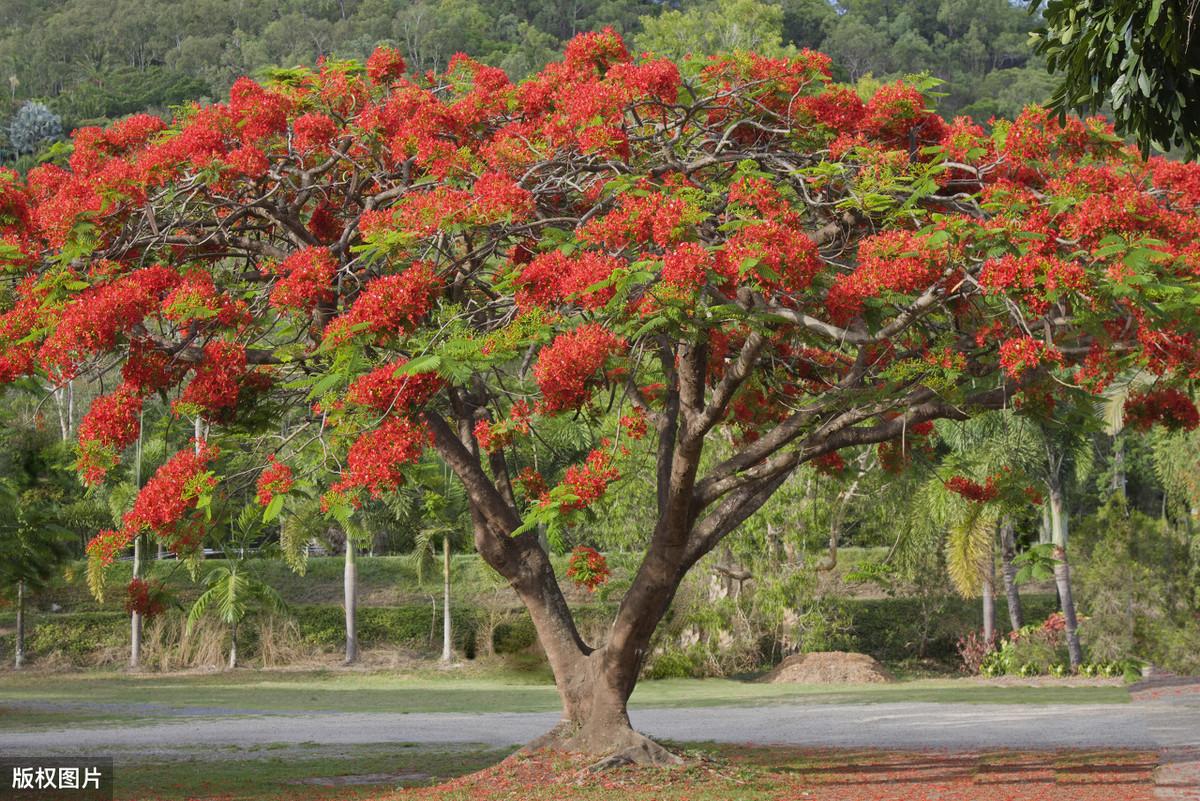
pixel 723 26
pixel 33 127
pixel 1141 58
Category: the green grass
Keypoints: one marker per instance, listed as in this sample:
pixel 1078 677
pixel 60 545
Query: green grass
pixel 278 771
pixel 503 692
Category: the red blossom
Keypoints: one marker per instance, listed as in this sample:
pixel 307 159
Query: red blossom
pixel 567 366
pixel 217 382
pixel 110 425
pixel 1021 354
pixel 971 490
pixel 307 280
pixel 276 479
pixel 163 505
pixel 1167 407
pixel 375 459
pixel 588 568
pixel 389 305
pixel 387 388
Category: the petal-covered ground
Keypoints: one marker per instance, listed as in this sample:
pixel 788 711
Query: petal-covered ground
pixel 784 774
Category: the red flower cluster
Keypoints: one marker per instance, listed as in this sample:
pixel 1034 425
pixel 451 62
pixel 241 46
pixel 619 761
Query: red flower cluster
pixel 312 131
pixel 385 65
pixel 91 323
pixel 566 367
pixel 686 266
pixel 307 280
pixel 830 464
pixel 1167 407
pixel 110 425
pixel 145 598
pixel 893 261
pixel 389 305
pixel 972 490
pixel 554 277
pixel 634 424
pixel 589 481
pixel 779 256
pixel 276 479
pixel 1021 354
pixel 897 117
pixel 530 482
pixel 108 544
pixel 588 568
pixel 163 504
pixel 375 459
pixel 387 389
pixel 217 382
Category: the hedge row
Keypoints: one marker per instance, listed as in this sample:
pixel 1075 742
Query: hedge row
pixel 889 629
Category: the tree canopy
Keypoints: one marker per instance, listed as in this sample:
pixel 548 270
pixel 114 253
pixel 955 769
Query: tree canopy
pixel 349 269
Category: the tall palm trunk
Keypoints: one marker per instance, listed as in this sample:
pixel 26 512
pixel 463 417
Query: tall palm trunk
pixel 447 651
pixel 350 590
pixel 135 619
pixel 233 655
pixel 989 599
pixel 19 659
pixel 1008 552
pixel 1062 571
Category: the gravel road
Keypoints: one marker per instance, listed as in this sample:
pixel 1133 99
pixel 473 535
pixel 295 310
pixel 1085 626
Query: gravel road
pixel 1172 723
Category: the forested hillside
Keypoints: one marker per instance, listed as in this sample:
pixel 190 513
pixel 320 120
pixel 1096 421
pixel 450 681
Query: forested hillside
pixel 89 61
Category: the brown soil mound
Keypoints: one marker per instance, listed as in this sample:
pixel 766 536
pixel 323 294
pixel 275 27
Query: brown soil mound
pixel 828 667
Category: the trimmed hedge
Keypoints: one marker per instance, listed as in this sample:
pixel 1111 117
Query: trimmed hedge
pixel 888 629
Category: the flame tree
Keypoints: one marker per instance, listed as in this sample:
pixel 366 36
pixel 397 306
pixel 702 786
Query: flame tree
pixel 360 267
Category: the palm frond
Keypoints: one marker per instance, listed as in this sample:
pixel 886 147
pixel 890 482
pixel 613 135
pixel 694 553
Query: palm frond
pixel 969 549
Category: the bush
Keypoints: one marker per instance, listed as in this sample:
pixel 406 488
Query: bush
pixel 409 626
pixel 79 638
pixel 673 664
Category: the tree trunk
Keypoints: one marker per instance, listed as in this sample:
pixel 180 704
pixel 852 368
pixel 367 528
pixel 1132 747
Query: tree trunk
pixel 989 600
pixel 447 650
pixel 19 659
pixel 233 647
pixel 1008 552
pixel 1062 573
pixel 135 619
pixel 1118 479
pixel 350 592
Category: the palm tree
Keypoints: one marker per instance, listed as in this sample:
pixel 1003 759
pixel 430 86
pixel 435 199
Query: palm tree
pixel 233 589
pixel 444 504
pixel 32 545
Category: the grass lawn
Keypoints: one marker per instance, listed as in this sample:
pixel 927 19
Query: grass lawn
pixel 298 773
pixel 431 691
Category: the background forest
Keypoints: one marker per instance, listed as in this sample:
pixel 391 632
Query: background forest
pixel 91 61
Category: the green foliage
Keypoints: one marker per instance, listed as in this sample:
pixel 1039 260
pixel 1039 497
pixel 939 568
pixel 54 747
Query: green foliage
pixel 1135 56
pixel 1135 586
pixel 720 26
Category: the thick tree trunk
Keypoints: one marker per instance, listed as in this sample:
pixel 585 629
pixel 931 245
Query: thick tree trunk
pixel 350 596
pixel 1062 574
pixel 233 657
pixel 1008 552
pixel 19 658
pixel 447 649
pixel 595 692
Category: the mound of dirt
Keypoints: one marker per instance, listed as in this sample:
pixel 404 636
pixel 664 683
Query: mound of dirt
pixel 828 667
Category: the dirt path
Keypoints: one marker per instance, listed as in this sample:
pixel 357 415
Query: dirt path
pixel 1169 723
